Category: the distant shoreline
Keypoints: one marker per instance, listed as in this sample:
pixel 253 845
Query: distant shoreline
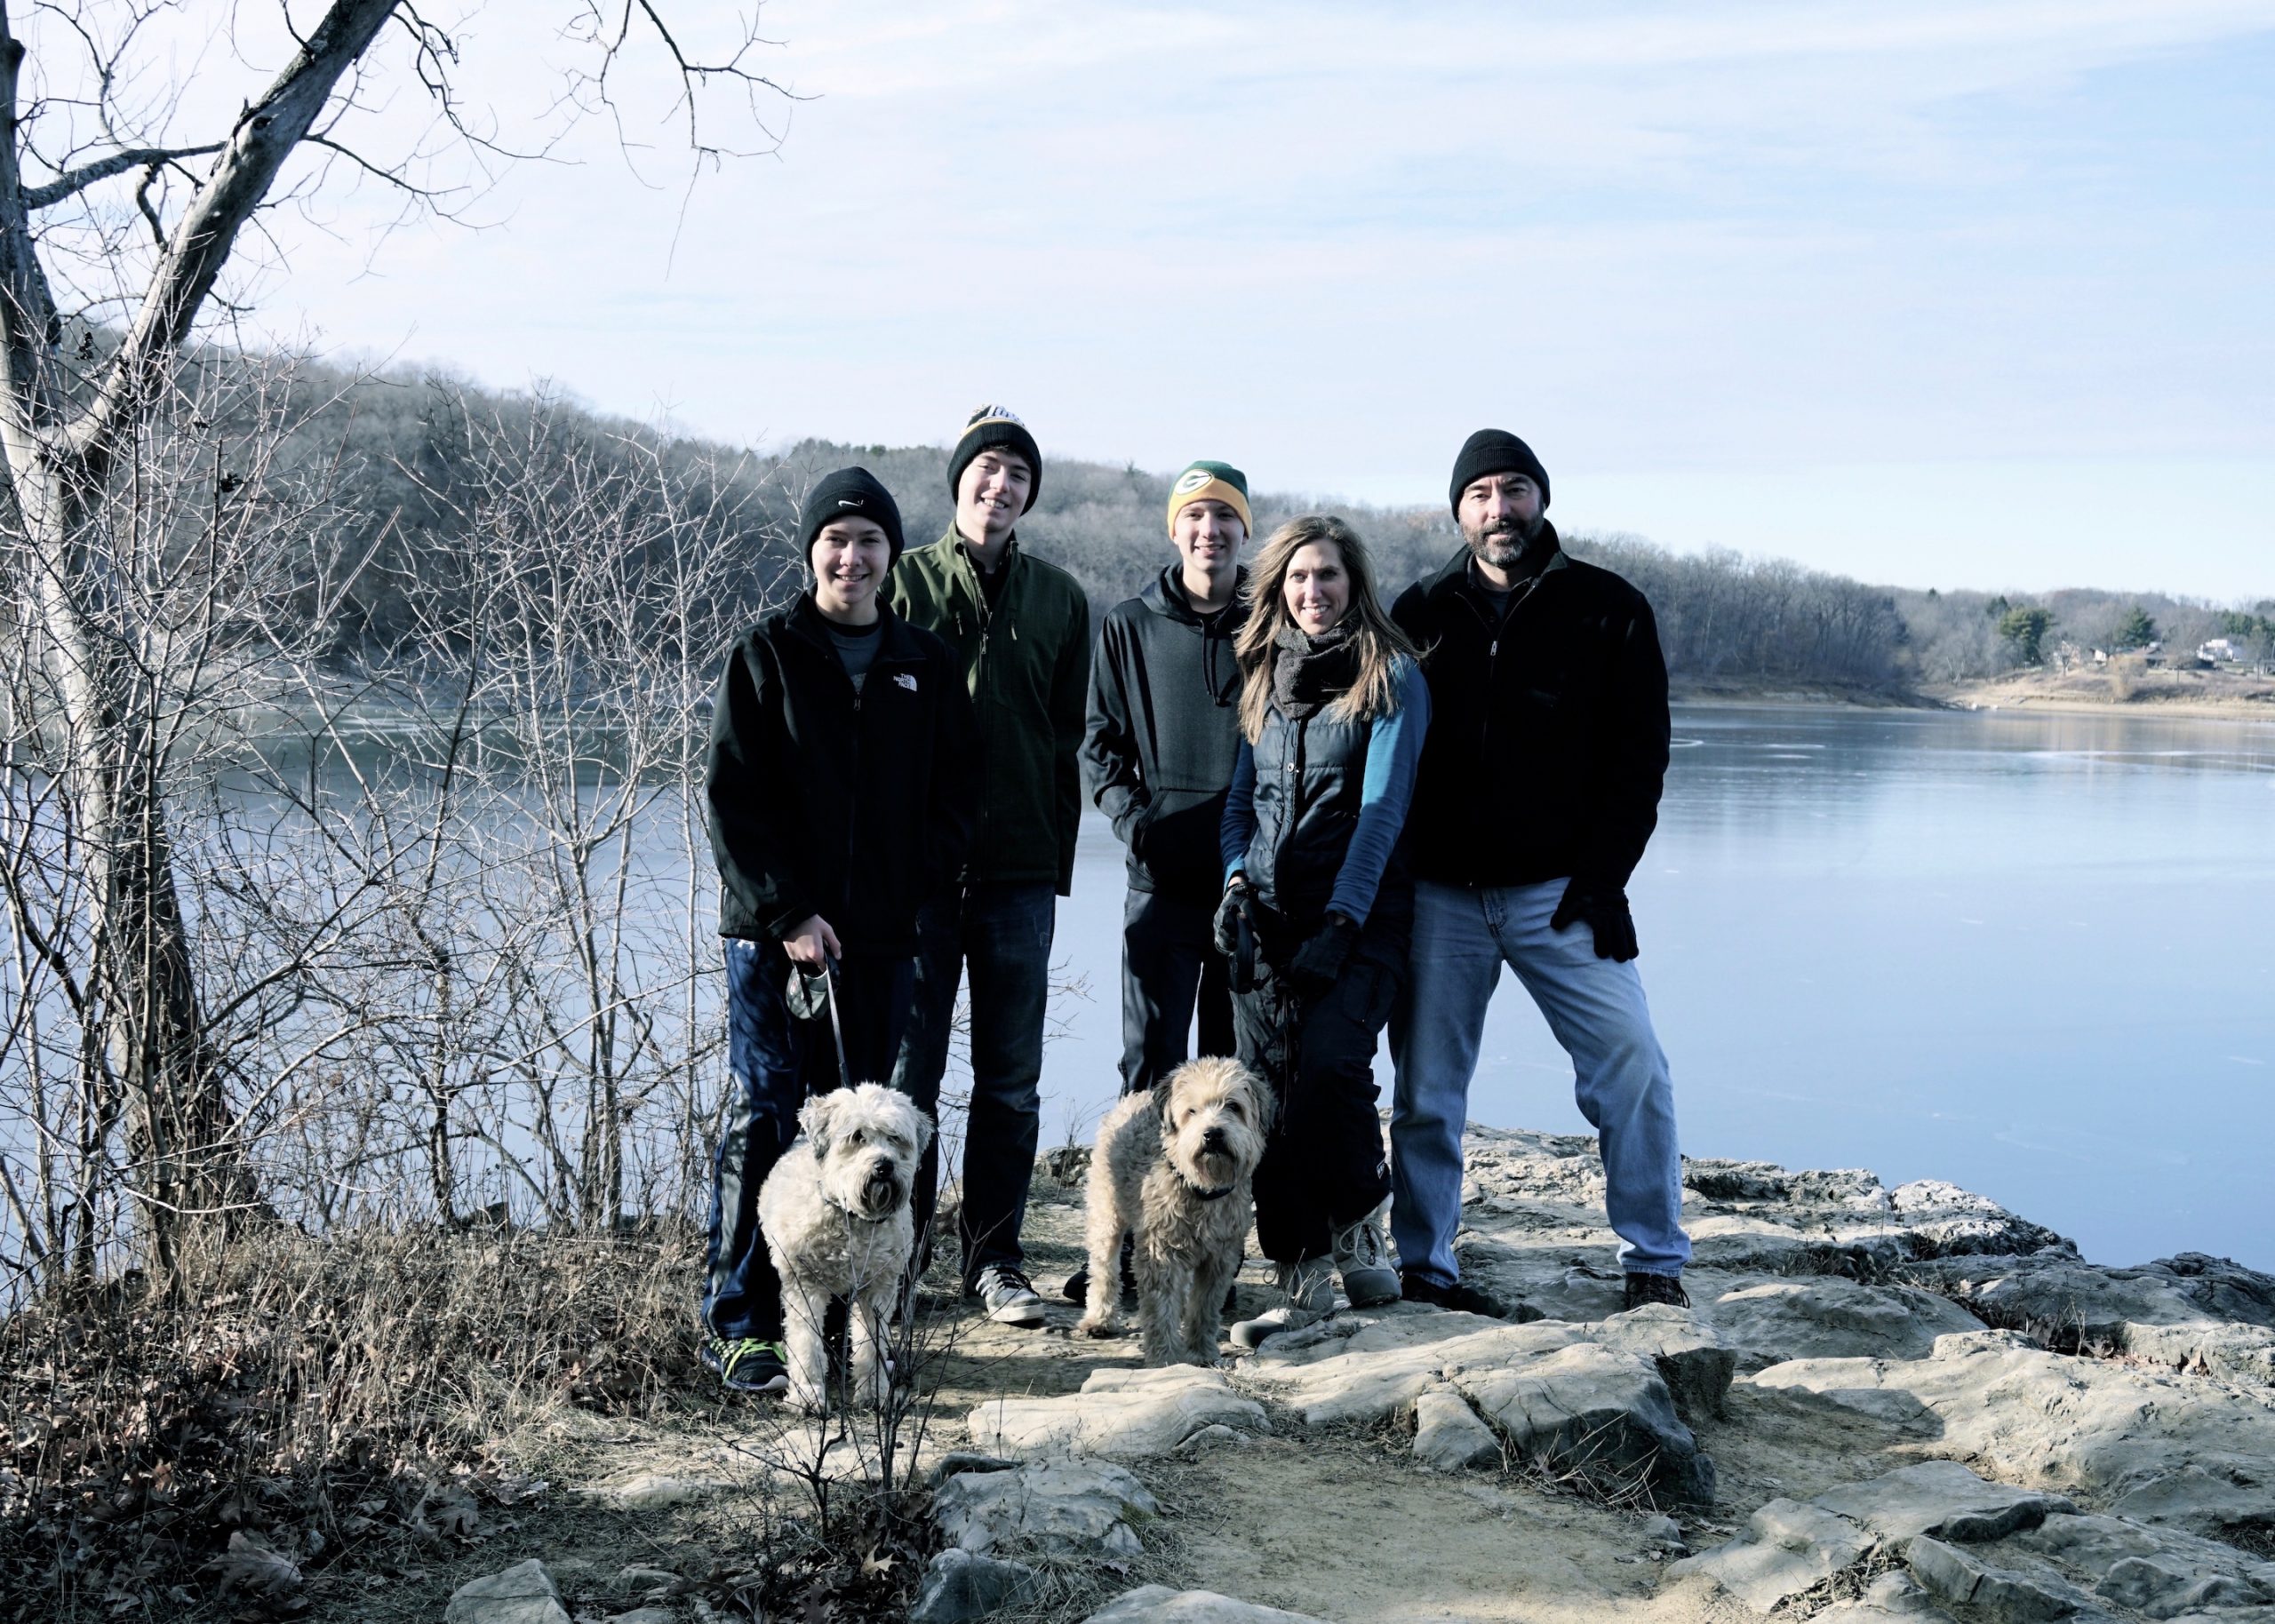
pixel 2190 695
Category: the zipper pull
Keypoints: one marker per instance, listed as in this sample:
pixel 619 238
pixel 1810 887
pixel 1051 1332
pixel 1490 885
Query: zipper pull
pixel 1495 650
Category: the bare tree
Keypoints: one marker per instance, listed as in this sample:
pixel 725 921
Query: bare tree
pixel 90 160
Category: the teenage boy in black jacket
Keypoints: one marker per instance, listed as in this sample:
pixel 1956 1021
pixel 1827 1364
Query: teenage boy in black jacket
pixel 839 801
pixel 1538 787
pixel 1164 731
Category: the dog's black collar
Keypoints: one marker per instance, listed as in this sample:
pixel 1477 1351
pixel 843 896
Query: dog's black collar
pixel 1199 1194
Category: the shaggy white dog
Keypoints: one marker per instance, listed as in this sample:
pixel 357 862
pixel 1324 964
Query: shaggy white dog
pixel 834 1212
pixel 1175 1165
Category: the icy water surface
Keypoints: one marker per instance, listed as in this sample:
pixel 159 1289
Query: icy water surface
pixel 2030 954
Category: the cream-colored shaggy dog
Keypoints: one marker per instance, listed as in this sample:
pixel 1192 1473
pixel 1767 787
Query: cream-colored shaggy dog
pixel 834 1212
pixel 1174 1165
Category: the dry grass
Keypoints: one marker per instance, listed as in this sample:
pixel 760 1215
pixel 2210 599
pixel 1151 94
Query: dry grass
pixel 291 1406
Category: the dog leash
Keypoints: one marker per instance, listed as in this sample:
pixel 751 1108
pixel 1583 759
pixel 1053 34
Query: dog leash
pixel 836 1026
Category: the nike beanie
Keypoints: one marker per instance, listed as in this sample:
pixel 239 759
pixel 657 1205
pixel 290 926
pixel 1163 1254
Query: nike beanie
pixel 850 493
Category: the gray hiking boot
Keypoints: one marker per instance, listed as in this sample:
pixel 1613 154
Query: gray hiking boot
pixel 1310 1285
pixel 1010 1300
pixel 1364 1260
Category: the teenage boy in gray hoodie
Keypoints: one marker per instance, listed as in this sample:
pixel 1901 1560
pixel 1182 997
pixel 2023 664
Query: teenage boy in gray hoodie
pixel 1157 758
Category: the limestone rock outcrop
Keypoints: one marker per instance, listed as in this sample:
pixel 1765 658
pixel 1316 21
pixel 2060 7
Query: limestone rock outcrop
pixel 1120 1411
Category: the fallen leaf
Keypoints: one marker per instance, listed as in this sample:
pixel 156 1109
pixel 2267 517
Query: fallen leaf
pixel 250 1567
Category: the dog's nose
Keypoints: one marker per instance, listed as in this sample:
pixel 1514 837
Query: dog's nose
pixel 1213 1140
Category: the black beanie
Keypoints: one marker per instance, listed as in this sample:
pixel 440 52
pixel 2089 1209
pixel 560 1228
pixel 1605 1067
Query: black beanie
pixel 1492 450
pixel 991 427
pixel 850 493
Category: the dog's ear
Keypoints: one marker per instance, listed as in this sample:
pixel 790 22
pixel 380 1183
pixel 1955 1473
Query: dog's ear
pixel 818 1120
pixel 924 1130
pixel 1162 1088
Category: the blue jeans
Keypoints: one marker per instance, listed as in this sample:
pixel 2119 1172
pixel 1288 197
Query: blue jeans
pixel 1001 936
pixel 1594 1006
pixel 774 1062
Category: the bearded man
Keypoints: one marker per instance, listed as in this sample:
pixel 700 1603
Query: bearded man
pixel 1538 787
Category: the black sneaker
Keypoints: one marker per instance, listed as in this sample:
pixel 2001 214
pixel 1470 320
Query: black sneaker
pixel 1667 1289
pixel 1457 1298
pixel 1077 1289
pixel 746 1365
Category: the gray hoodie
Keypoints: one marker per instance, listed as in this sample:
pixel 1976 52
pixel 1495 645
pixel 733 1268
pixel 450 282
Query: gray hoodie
pixel 1164 728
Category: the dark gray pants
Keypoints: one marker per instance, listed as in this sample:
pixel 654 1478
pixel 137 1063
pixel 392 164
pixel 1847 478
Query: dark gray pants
pixel 1323 1165
pixel 1170 970
pixel 997 937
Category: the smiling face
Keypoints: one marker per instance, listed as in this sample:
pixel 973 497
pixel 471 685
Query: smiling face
pixel 1499 514
pixel 1317 587
pixel 992 495
pixel 1208 534
pixel 850 557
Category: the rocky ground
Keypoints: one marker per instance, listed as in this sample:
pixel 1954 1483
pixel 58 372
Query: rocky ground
pixel 1885 1403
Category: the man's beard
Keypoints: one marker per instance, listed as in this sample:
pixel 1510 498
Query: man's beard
pixel 1507 543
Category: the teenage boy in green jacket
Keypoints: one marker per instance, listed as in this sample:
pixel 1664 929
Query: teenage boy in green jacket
pixel 1021 629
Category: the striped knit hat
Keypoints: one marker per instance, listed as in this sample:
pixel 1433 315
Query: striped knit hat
pixel 1210 481
pixel 994 428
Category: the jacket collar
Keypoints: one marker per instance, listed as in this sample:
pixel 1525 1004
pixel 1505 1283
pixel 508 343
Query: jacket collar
pixel 1166 596
pixel 1455 574
pixel 896 640
pixel 960 562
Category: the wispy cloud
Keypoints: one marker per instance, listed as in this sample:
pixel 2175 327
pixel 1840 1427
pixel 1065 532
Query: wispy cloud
pixel 1658 237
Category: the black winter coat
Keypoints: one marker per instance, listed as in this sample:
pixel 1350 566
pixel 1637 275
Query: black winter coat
pixel 858 807
pixel 1164 731
pixel 1548 733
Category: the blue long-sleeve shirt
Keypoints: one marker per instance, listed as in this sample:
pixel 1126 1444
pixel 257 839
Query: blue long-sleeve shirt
pixel 1394 750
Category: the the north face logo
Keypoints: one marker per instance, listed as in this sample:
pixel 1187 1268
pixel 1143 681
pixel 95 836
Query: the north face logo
pixel 905 681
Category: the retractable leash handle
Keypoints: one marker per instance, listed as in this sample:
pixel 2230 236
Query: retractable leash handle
pixel 836 1024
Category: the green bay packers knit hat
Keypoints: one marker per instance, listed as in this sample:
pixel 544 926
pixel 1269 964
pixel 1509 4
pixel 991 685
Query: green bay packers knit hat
pixel 1210 481
pixel 996 428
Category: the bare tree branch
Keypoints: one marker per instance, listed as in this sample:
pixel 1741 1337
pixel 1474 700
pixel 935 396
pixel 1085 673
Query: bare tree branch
pixel 79 179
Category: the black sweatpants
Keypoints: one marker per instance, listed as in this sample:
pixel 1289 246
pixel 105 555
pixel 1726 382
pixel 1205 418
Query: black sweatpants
pixel 1324 1166
pixel 1170 970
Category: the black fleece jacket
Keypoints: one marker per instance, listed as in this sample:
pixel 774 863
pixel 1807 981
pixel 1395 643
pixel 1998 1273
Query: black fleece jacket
pixel 1164 731
pixel 856 806
pixel 1548 727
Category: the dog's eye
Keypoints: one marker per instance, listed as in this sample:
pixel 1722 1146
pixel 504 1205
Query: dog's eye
pixel 1236 1107
pixel 856 1136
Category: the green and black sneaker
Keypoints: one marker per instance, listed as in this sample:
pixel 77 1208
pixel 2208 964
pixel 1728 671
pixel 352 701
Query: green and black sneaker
pixel 746 1365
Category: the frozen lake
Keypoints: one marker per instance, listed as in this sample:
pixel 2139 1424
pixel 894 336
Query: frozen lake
pixel 2031 954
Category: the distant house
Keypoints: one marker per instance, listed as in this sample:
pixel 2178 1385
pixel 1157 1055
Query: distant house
pixel 2099 656
pixel 2218 648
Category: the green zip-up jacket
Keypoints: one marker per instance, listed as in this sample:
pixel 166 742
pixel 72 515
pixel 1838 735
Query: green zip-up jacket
pixel 1028 663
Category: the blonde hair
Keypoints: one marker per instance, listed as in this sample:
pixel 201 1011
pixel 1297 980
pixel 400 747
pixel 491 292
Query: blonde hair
pixel 1375 638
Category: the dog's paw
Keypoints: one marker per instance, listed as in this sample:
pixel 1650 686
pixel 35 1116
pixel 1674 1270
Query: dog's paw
pixel 1099 1328
pixel 811 1400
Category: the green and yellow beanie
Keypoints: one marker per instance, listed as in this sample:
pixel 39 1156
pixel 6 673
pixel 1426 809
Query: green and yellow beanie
pixel 1211 481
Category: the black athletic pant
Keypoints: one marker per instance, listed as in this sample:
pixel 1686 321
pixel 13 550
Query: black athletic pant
pixel 1170 970
pixel 1324 1166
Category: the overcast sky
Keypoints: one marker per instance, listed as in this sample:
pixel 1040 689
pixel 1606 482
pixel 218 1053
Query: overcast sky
pixel 1960 292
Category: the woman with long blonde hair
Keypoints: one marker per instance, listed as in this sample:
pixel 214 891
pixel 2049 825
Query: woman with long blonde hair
pixel 1318 906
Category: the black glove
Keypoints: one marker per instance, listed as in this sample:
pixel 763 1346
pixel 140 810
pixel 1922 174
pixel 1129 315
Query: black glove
pixel 1230 913
pixel 1605 909
pixel 1311 972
